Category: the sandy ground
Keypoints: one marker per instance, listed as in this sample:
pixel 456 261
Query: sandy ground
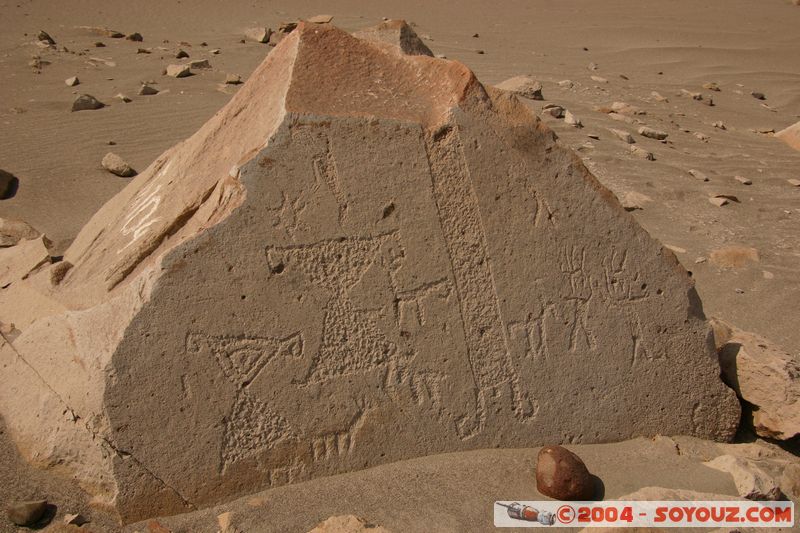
pixel 637 46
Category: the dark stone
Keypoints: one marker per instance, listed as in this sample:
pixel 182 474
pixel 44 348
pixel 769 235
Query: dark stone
pixel 561 474
pixel 27 513
pixel 8 185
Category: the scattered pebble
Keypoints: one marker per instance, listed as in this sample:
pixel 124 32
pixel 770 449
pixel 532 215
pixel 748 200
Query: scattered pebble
pixel 719 125
pixel 599 79
pixel 200 64
pixel 99 44
pixel 147 90
pixel 743 180
pixel 794 182
pixel 215 51
pixel 623 135
pixel 72 82
pixel 620 117
pixel 593 66
pixel 763 131
pixel 135 37
pixel 74 519
pixel 702 136
pixel 739 291
pixel 711 86
pixel 594 136
pixel 143 51
pixel 27 513
pixel 321 19
pixel 480 52
pixel 700 260
pixel 116 165
pixel 572 120
pixel 44 37
pixel 651 133
pixel 641 152
pixel 658 97
pixel 631 200
pixel 259 35
pixel 698 175
pixel 718 201
pixel 524 86
pixel 86 102
pixel 758 96
pixel 233 79
pixel 180 54
pixel 692 95
pixel 122 97
pixel 178 71
pixel 562 475
pixel 555 111
pixel 569 84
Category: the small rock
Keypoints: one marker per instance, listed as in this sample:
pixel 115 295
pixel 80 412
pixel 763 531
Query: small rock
pixel 124 98
pixel 623 135
pixel 116 165
pixel 651 133
pixel 86 102
pixel 707 101
pixel 562 475
pixel 738 291
pixel 179 71
pixel 555 111
pixel 700 260
pixel 641 152
pixel 200 64
pixel 12 231
pixel 572 120
pixel 698 175
pixel 794 182
pixel 233 79
pixel 626 109
pixel 711 86
pixel 631 200
pixel 259 35
pixel 658 97
pixel 598 79
pixel 764 131
pixel 758 96
pixel 27 513
pixel 524 86
pixel 719 125
pixel 135 37
pixel 751 482
pixel 718 201
pixel 215 51
pixel 743 180
pixel 321 19
pixel 347 524
pixel 143 51
pixel 620 117
pixel 44 37
pixel 481 52
pixel 568 84
pixel 99 44
pixel 592 66
pixel 72 82
pixel 702 136
pixel 594 136
pixel 74 519
pixel 180 54
pixel 147 90
pixel 692 95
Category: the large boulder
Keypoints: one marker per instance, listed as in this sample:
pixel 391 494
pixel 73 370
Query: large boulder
pixel 365 256
pixel 791 135
pixel 763 375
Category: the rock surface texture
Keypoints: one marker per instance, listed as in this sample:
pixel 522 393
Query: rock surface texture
pixel 791 135
pixel 350 247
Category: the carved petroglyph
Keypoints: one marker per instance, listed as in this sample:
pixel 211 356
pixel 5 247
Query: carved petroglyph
pixel 143 207
pixel 351 340
pixel 339 443
pixel 464 234
pixel 323 164
pixel 251 425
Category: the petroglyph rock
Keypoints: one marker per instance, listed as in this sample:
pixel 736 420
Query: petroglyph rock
pixel 360 240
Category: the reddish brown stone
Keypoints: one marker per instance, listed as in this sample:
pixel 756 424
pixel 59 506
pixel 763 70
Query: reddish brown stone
pixel 562 475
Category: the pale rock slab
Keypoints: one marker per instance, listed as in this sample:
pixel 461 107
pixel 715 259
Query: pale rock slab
pixel 751 482
pixel 524 86
pixel 360 240
pixel 398 34
pixel 764 376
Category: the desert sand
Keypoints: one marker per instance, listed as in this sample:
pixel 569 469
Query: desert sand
pixel 743 256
